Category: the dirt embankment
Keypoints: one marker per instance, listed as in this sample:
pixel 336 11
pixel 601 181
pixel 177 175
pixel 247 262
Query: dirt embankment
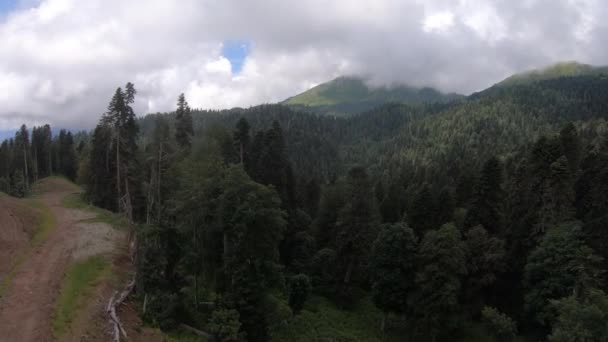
pixel 28 303
pixel 18 221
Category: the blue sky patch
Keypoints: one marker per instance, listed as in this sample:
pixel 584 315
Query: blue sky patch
pixel 6 6
pixel 236 51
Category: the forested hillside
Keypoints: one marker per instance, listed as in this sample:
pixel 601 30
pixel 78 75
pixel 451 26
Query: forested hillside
pixel 482 218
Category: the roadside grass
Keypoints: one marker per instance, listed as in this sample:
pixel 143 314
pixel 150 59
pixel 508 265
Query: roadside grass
pixel 46 224
pixel 79 281
pixel 117 221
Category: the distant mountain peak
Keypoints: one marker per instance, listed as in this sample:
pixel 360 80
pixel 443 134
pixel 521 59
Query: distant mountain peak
pixel 561 69
pixel 346 95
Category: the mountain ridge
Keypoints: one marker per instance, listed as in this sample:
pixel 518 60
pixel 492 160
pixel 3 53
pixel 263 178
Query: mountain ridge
pixel 347 95
pixel 552 71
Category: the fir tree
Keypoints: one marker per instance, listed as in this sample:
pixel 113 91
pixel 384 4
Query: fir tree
pixel 183 123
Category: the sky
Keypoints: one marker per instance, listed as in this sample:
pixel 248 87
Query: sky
pixel 61 60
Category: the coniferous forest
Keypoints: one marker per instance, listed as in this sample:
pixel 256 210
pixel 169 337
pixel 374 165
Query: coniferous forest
pixel 486 212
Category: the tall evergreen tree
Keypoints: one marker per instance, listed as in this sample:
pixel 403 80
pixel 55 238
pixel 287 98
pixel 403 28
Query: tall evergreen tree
pixel 100 186
pixel 183 123
pixel 442 260
pixel 571 146
pixel 356 224
pixel 487 206
pixel 554 268
pixel 22 154
pixel 392 206
pixel 253 224
pixel 120 121
pixel 160 158
pixel 393 268
pixel 422 213
pixel 486 260
pixel 242 141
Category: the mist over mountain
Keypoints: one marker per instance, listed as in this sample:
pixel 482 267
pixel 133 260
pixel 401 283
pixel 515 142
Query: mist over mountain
pixel 350 95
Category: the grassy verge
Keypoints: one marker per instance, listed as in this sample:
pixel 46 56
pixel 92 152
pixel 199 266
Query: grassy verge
pixel 46 223
pixel 117 221
pixel 80 280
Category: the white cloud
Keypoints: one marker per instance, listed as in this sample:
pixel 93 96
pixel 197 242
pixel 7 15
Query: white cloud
pixel 60 60
pixel 438 22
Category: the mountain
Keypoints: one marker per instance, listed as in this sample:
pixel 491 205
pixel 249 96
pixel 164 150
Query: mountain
pixel 344 96
pixel 564 69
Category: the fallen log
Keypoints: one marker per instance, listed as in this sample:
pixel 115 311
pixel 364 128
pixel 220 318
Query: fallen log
pixel 111 309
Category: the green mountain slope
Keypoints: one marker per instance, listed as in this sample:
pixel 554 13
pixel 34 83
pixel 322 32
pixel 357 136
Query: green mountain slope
pixel 566 69
pixel 347 95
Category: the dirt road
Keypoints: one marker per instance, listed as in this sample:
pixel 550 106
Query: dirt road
pixel 27 306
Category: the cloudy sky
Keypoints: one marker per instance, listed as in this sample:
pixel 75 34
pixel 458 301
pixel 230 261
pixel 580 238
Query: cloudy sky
pixel 60 60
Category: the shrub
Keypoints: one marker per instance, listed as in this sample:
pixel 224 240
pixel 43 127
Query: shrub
pixel 501 326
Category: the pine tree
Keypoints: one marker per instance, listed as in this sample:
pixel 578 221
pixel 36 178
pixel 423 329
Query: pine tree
pixel 554 268
pixel 356 226
pixel 242 141
pixel 100 186
pixel 332 201
pixel 22 155
pixel 445 206
pixel 487 206
pixel 183 123
pixel 392 206
pixel 253 225
pixel 486 260
pixel 67 155
pixel 118 155
pixel 422 214
pixel 160 157
pixel 312 197
pixel 571 146
pixel 270 164
pixel 442 260
pixel 393 268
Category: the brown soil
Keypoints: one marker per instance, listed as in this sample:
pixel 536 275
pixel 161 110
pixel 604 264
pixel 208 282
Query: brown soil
pixel 17 224
pixel 27 307
pixel 28 304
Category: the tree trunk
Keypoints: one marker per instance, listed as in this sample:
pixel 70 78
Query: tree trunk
pixel 27 180
pixel 118 197
pixel 158 176
pixel 150 198
pixel 383 322
pixel 50 161
pixel 35 166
